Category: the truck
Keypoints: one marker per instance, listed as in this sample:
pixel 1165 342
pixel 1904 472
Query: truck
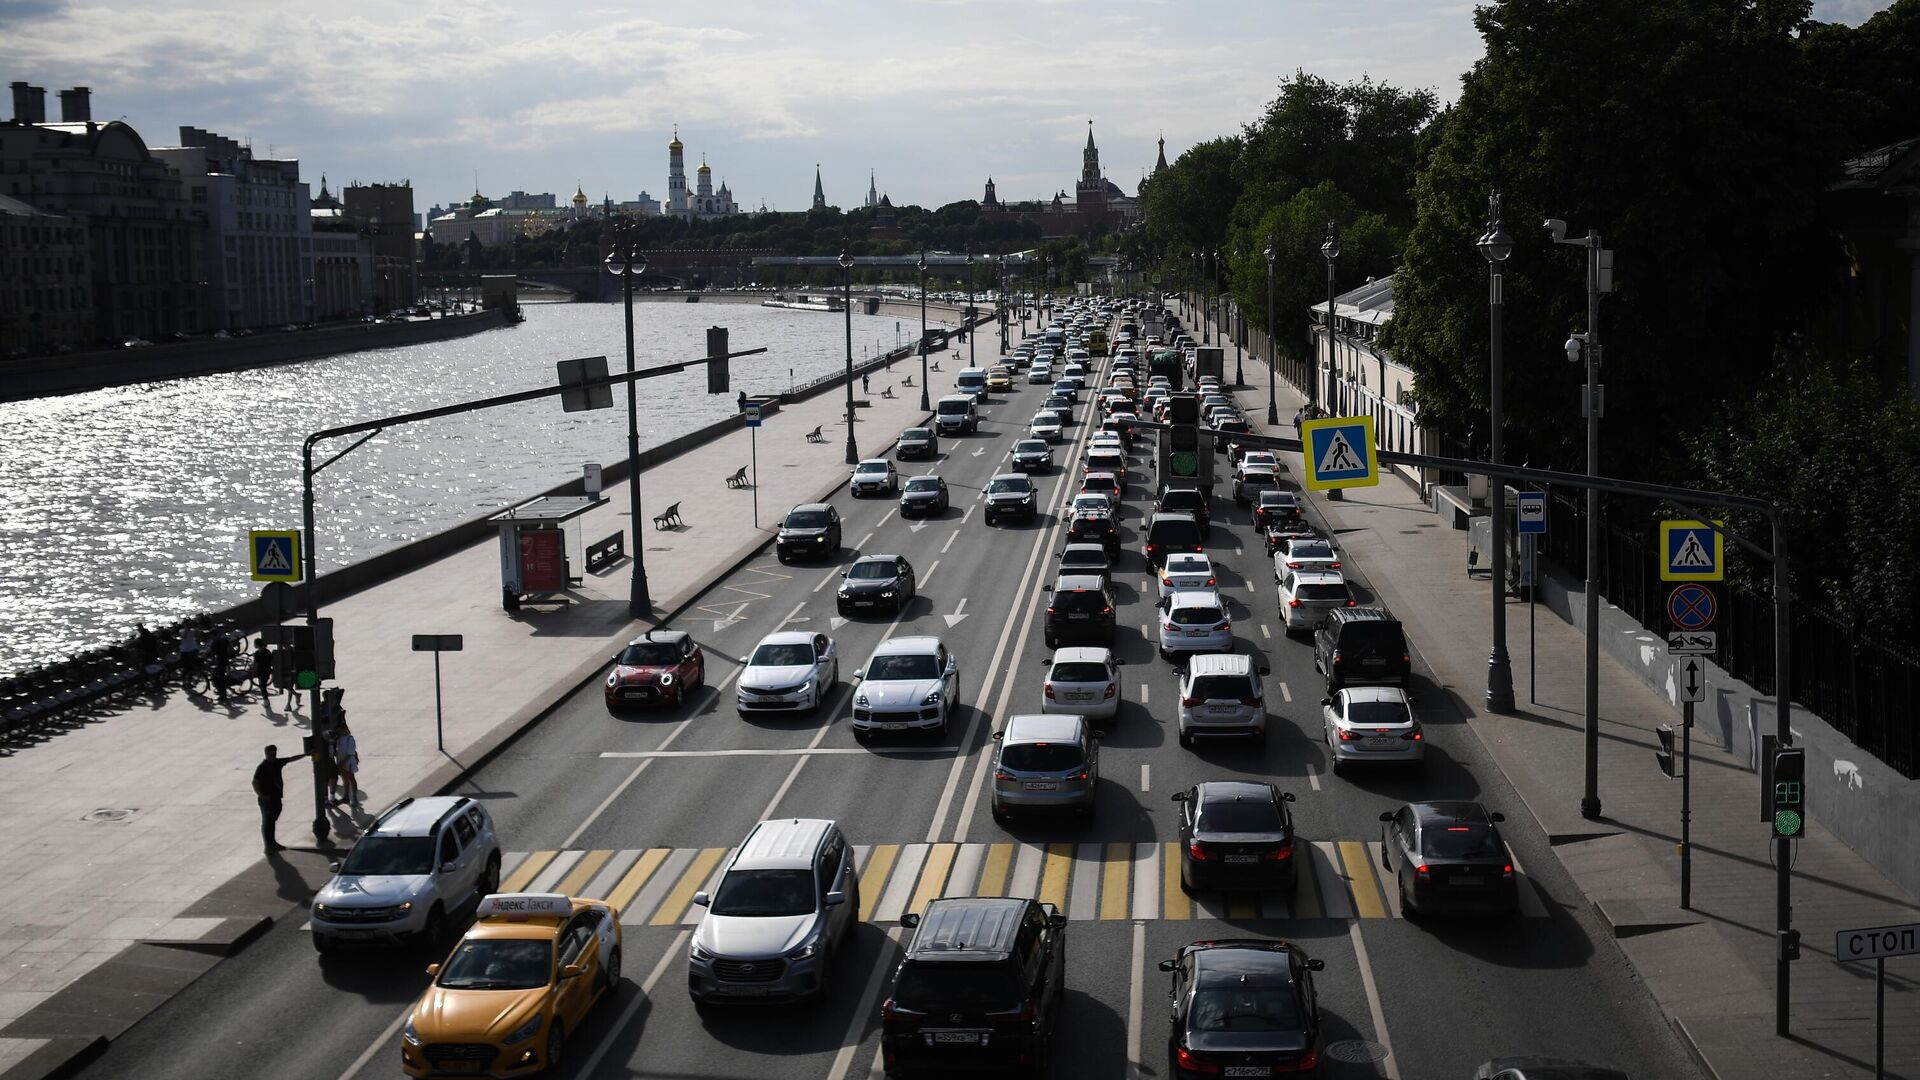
pixel 1209 360
pixel 1167 362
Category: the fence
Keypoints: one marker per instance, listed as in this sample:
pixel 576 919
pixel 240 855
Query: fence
pixel 1867 689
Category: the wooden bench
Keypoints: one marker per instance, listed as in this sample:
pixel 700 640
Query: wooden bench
pixel 738 479
pixel 815 436
pixel 604 553
pixel 908 381
pixel 887 393
pixel 668 517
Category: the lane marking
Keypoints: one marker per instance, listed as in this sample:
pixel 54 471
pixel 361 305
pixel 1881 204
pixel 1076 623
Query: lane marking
pixel 862 545
pixel 545 879
pixel 900 889
pixel 1286 693
pixel 1178 904
pixel 950 540
pixel 1266 633
pixel 1026 871
pixel 781 792
pixel 1053 882
pixel 620 1026
pixel 678 730
pixel 1388 1067
pixel 531 865
pixel 657 885
pixel 1136 1000
pixel 1143 693
pixel 1313 777
pixel 583 872
pixel 993 876
pixel 966 870
pixel 785 751
pixel 879 865
pixel 382 1041
pixel 882 523
pixel 681 895
pixel 933 876
pixel 622 894
pixel 869 997
pixel 1146 881
pixel 1113 881
pixel 1146 778
pixel 1366 898
pixel 823 581
pixel 1084 883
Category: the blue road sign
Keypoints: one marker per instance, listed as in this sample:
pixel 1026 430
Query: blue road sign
pixel 273 555
pixel 1532 512
pixel 1339 453
pixel 1692 551
pixel 752 414
pixel 1691 607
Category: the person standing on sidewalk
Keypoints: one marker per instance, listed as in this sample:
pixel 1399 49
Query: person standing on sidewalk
pixel 270 788
pixel 262 666
pixel 189 653
pixel 346 761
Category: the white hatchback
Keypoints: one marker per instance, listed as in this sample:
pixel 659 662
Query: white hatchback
pixel 1372 724
pixel 1083 681
pixel 1186 571
pixel 1194 622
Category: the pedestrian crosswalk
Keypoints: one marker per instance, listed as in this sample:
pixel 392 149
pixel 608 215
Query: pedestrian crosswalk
pixel 1338 879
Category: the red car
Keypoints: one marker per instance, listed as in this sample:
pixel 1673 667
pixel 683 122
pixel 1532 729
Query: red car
pixel 657 668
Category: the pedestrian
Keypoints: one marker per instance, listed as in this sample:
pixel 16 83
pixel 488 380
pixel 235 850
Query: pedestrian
pixel 863 384
pixel 262 665
pixel 221 659
pixel 346 760
pixel 269 787
pixel 189 652
pixel 743 401
pixel 146 646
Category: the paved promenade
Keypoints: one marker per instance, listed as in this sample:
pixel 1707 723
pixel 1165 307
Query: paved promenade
pixel 1711 969
pixel 174 776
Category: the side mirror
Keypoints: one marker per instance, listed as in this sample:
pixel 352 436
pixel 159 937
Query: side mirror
pixel 1496 816
pixel 953 667
pixel 998 735
pixel 1048 588
pixel 1316 965
pixel 1265 670
pixel 1099 733
pixel 1169 965
pixel 1179 796
pixel 448 867
pixel 1057 920
pixel 572 971
pixel 1286 796
pixel 836 898
pixel 433 971
pixel 1386 815
pixel 333 867
pixel 844 573
pixel 743 661
pixel 1326 701
pixel 703 898
pixel 859 673
pixel 910 920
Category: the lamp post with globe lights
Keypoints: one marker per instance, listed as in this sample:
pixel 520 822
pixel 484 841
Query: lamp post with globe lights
pixel 925 405
pixel 846 294
pixel 625 259
pixel 1495 245
pixel 1273 403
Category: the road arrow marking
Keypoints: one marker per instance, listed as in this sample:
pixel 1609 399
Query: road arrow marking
pixel 959 613
pixel 732 617
pixel 916 526
pixel 837 622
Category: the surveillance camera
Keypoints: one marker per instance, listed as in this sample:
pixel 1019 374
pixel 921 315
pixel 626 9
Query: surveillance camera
pixel 1575 344
pixel 1557 227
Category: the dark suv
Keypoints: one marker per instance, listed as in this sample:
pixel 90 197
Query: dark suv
pixel 1080 611
pixel 1361 646
pixel 1186 501
pixel 810 530
pixel 979 989
pixel 1094 529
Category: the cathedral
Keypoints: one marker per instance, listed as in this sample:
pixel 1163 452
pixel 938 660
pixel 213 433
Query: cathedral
pixel 704 202
pixel 1097 205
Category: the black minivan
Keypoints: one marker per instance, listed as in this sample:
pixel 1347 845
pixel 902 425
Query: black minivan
pixel 1171 531
pixel 1080 610
pixel 1361 646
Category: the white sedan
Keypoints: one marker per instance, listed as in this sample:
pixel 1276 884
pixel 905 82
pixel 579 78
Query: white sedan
pixel 1084 682
pixel 1046 425
pixel 1186 571
pixel 790 671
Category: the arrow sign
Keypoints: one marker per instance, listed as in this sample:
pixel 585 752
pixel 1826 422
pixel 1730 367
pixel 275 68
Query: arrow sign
pixel 836 622
pixel 979 450
pixel 1691 677
pixel 731 617
pixel 959 613
pixel 916 526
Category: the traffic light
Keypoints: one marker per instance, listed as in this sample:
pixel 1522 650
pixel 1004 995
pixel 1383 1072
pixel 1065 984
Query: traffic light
pixel 718 381
pixel 312 648
pixel 1789 792
pixel 323 649
pixel 1664 755
pixel 1180 453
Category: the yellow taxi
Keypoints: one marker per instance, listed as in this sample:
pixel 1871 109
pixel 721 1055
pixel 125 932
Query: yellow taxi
pixel 514 989
pixel 1000 379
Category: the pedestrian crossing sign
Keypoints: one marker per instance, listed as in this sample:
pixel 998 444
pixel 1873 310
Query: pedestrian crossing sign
pixel 1338 453
pixel 1692 551
pixel 274 554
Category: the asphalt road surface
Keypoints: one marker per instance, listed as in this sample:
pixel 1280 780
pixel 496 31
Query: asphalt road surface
pixel 582 800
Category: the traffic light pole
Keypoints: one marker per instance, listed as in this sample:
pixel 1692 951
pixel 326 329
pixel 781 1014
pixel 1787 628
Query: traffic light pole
pixel 1686 806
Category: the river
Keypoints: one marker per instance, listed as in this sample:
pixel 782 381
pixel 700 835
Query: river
pixel 134 503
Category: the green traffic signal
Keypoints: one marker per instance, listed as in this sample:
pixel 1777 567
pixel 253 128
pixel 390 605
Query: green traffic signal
pixel 1787 823
pixel 306 679
pixel 1184 463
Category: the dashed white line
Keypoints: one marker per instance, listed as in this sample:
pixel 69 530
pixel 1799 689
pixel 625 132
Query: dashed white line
pixel 1286 693
pixel 1313 777
pixel 674 952
pixel 862 545
pixel 1266 633
pixel 1143 693
pixel 1146 777
pixel 950 540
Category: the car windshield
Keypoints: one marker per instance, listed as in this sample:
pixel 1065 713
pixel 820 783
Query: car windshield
pixel 498 964
pixel 807 519
pixel 935 987
pixel 1030 446
pixel 777 655
pixel 903 666
pixel 764 893
pixel 1081 671
pixel 1243 1008
pixel 923 483
pixel 404 856
pixel 1239 816
pixel 871 468
pixel 1011 483
pixel 1310 549
pixel 1040 757
pixel 1322 592
pixel 1376 713
pixel 1470 840
pixel 951 408
pixel 649 654
pixel 915 434
pixel 872 570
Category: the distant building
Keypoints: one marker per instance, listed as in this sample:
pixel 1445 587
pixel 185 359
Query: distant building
pixel 703 202
pixel 1098 204
pixel 819 193
pixel 873 195
pixel 646 206
pixel 257 241
pixel 886 225
pixel 384 213
pixel 46 280
pixel 520 200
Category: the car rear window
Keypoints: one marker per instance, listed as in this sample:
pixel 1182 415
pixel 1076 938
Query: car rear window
pixel 1250 815
pixel 1310 549
pixel 1041 757
pixel 1458 841
pixel 1176 532
pixel 1079 600
pixel 1182 499
pixel 1079 671
pixel 1220 687
pixel 1322 592
pixel 1376 713
pixel 1369 635
pixel 1191 615
pixel 1244 1008
pixel 932 986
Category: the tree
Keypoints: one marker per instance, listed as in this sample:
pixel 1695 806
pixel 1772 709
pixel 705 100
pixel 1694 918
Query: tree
pixel 1190 203
pixel 1363 137
pixel 1296 229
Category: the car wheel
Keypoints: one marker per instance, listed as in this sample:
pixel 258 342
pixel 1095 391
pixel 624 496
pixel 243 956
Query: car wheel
pixel 1052 642
pixel 781 556
pixel 1040 1051
pixel 490 877
pixel 322 943
pixel 556 1045
pixel 610 975
pixel 862 736
pixel 435 929
pixel 1186 739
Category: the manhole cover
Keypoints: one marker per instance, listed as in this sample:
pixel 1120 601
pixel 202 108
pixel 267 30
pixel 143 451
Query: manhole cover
pixel 110 813
pixel 1356 1051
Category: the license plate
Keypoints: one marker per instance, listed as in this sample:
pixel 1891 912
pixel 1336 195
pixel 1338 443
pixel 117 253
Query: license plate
pixel 863 603
pixel 1042 785
pixel 1220 710
pixel 890 725
pixel 1079 697
pixel 1374 662
pixel 1242 858
pixel 744 991
pixel 1466 879
pixel 1383 743
pixel 460 1067
pixel 955 1037
pixel 1079 615
pixel 1249 1070
pixel 1198 633
pixel 641 695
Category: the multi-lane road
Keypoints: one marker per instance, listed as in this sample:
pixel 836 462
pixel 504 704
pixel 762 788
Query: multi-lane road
pixel 643 809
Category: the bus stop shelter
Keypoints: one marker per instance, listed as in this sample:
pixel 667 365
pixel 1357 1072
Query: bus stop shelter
pixel 533 547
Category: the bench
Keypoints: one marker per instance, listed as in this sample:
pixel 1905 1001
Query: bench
pixel 738 479
pixel 604 553
pixel 815 436
pixel 887 393
pixel 908 381
pixel 668 517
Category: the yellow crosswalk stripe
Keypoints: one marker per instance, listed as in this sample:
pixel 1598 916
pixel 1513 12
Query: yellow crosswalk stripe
pixel 873 880
pixel 527 871
pixel 622 894
pixel 993 876
pixel 933 877
pixel 1053 881
pixel 1243 905
pixel 1113 881
pixel 681 894
pixel 1366 898
pixel 1175 903
pixel 583 872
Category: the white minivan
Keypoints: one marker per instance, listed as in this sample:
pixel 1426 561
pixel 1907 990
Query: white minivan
pixel 973 383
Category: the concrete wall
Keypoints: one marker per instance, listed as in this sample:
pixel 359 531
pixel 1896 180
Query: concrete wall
pixel 1870 807
pixel 41 376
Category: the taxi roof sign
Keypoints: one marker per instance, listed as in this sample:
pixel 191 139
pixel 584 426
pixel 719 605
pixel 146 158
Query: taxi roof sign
pixel 524 906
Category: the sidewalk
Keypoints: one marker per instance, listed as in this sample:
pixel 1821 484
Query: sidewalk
pixel 1710 969
pixel 86 886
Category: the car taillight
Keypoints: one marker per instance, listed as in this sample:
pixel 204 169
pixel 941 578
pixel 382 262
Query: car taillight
pixel 1420 871
pixel 1347 736
pixel 1049 691
pixel 1189 702
pixel 1415 735
pixel 1112 689
pixel 1170 626
pixel 1349 601
pixel 1507 870
pixel 1108 610
pixel 1150 548
pixel 1002 774
pixel 1293 566
pixel 892 1010
pixel 1336 652
pixel 1335 565
pixel 1198 853
pixel 1406 659
pixel 1209 581
pixel 1022 1015
pixel 1249 702
pixel 1050 611
pixel 1293 603
pixel 1307 1063
pixel 1281 853
pixel 1199 547
pixel 1084 774
pixel 1225 624
pixel 1190 1063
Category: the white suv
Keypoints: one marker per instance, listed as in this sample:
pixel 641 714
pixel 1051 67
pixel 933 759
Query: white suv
pixel 1194 621
pixel 1220 694
pixel 403 880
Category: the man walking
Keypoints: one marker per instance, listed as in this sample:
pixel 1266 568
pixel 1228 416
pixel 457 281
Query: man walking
pixel 270 788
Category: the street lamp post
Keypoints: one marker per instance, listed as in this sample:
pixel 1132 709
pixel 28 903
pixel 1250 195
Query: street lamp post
pixel 1273 404
pixel 1330 247
pixel 1239 334
pixel 1495 245
pixel 624 258
pixel 1587 346
pixel 966 318
pixel 1000 298
pixel 846 293
pixel 1206 304
pixel 925 404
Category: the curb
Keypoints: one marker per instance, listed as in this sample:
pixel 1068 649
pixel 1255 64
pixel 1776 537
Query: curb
pixel 57 1059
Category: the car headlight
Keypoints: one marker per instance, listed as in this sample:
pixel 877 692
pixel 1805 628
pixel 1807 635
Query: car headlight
pixel 408 1033
pixel 700 952
pixel 666 678
pixel 613 678
pixel 524 1031
pixel 931 699
pixel 819 539
pixel 1027 498
pixel 886 594
pixel 805 951
pixel 322 910
pixel 860 700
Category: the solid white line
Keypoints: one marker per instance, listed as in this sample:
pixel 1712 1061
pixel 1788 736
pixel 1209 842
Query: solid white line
pixel 950 540
pixel 788 751
pixel 646 992
pixel 1286 693
pixel 1136 999
pixel 850 1043
pixel 678 730
pixel 1388 1067
pixel 1146 779
pixel 792 774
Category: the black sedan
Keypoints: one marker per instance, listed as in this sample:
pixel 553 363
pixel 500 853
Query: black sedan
pixel 1031 455
pixel 1243 1008
pixel 876 581
pixel 1448 856
pixel 1236 834
pixel 923 495
pixel 1544 1068
pixel 917 442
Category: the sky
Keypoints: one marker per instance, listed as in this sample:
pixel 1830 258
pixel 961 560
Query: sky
pixel 933 96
